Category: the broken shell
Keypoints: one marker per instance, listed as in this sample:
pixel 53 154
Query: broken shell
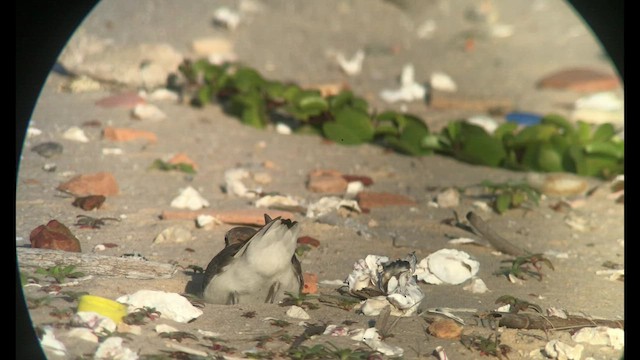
pixel 447 266
pixel 174 234
pixel 148 112
pixel 409 89
pixel 373 339
pixel 477 286
pixel 559 184
pixel 74 133
pixel 171 306
pixel 50 342
pixel 443 82
pixel 559 350
pixel 352 66
pixel 112 348
pixel 600 335
pixel 164 328
pixel 297 312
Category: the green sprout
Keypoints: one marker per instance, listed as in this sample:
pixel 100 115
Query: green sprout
pixel 60 273
pixel 523 266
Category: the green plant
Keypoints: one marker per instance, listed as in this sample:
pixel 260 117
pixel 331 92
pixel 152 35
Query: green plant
pixel 60 273
pixel 523 266
pixel 178 335
pixel 299 299
pixel 511 195
pixel 165 166
pixel 486 345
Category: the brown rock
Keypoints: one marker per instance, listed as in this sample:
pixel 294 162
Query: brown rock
pixel 102 183
pixel 327 181
pixel 54 236
pixel 126 134
pixel 368 200
pixel 89 202
pixel 310 283
pixel 445 329
pixel 182 158
pixel 580 80
pixel 126 100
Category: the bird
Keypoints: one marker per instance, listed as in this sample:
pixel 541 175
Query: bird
pixel 255 266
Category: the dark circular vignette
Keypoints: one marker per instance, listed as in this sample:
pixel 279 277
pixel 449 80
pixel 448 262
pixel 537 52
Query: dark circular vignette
pixel 43 28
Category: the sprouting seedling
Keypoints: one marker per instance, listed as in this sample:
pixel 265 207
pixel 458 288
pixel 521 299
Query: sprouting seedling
pixel 178 335
pixel 511 195
pixel 486 345
pixel 526 265
pixel 300 299
pixel 60 273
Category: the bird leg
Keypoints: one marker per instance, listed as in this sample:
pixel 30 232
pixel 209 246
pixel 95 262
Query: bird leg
pixel 273 291
pixel 233 298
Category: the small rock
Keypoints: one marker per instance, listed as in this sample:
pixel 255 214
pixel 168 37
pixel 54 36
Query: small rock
pixel 580 80
pixel 74 133
pixel 310 283
pixel 477 286
pixel 327 181
pixel 127 100
pixel 174 234
pixel 171 306
pixel 49 167
pixel 148 112
pixel 55 236
pixel 226 18
pixel 182 158
pixel 369 200
pixel 89 202
pixel 126 134
pixel 101 183
pixel 33 132
pixel 601 335
pixel 297 312
pixel 445 329
pixel 443 82
pixel 189 198
pixel 448 198
pixel 212 45
pixel 48 149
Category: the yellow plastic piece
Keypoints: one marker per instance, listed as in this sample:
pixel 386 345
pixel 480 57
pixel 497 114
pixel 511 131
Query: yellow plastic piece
pixel 103 306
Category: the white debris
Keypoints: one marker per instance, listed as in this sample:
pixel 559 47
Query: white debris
pixel 277 200
pixel 557 254
pixel 600 335
pixel 447 266
pixel 112 151
pixel 442 355
pixel 227 18
pixel 33 132
pixel 148 112
pixel 457 241
pixel 84 334
pixel 74 133
pixel 374 341
pixel 171 306
pixel 284 129
pixel 503 308
pixel 112 348
pixel 189 198
pixel 613 274
pixel 297 312
pixel 477 286
pixel 482 206
pixel 99 248
pixel 50 342
pixel 501 30
pixel 353 188
pixel 329 204
pixel 164 328
pixel 335 330
pixel 49 167
pixel 442 82
pixel 487 123
pixel 162 94
pixel 93 321
pixel 393 278
pixel 604 101
pixel 174 234
pixel 81 84
pixel 332 282
pixel 448 198
pixel 234 185
pixel 558 350
pixel 427 29
pixel 351 66
pixel 409 89
pixel 208 333
pixel 262 178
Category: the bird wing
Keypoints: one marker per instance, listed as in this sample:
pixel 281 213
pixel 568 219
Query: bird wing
pixel 222 259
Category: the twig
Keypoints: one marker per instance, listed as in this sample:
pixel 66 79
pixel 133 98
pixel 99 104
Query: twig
pixel 498 242
pixel 541 322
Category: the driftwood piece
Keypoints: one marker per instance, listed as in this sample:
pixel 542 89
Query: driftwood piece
pixel 541 322
pixel 498 242
pixel 91 264
pixel 238 217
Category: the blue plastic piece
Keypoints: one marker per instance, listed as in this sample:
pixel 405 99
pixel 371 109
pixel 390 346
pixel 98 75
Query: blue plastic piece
pixel 522 118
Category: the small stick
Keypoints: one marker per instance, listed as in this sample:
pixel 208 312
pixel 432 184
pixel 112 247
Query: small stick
pixel 498 242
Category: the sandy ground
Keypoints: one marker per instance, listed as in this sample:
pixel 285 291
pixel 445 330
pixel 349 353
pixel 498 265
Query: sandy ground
pixel 289 41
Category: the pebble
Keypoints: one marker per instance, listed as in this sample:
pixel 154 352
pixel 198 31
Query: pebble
pixel 443 82
pixel 127 134
pixel 445 329
pixel 74 133
pixel 55 236
pixel 579 80
pixel 47 149
pixel 369 200
pixel 148 112
pixel 89 202
pixel 297 312
pixel 101 183
pixel 49 167
pixel 448 198
pixel 33 132
pixel 174 234
pixel 212 45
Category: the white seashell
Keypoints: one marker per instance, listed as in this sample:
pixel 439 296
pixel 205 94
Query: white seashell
pixel 284 129
pixel 297 312
pixel 477 286
pixel 559 350
pixel 171 306
pixel 601 335
pixel 76 134
pixel 409 89
pixel 443 82
pixel 374 341
pixel 447 266
pixel 352 66
pixel 148 112
pixel 228 18
pixel 84 334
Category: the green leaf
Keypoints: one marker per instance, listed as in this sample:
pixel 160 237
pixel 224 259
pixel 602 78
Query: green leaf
pixel 504 129
pixel 246 79
pixel 204 96
pixel 503 202
pixel 535 133
pixel 549 159
pixel 412 137
pixel 310 101
pixel 386 130
pixel 559 121
pixel 603 133
pixel 477 147
pixel 350 127
pixel 615 150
